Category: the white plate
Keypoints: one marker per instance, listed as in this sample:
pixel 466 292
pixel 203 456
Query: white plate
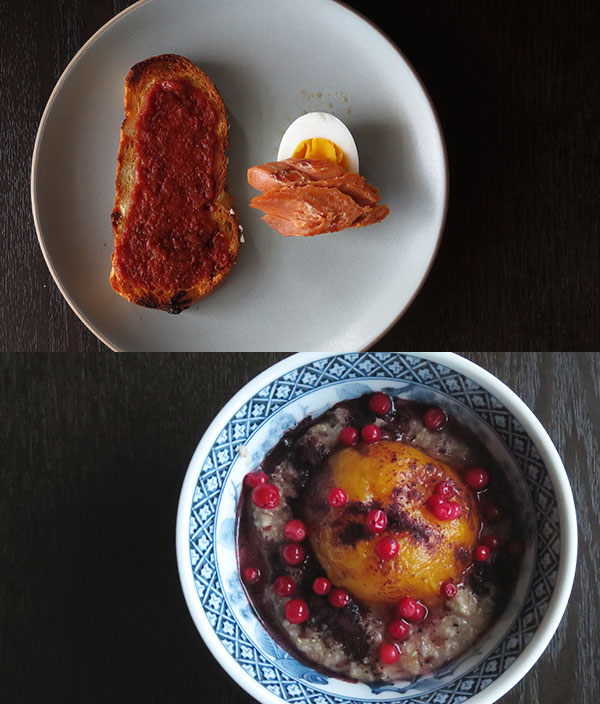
pixel 271 60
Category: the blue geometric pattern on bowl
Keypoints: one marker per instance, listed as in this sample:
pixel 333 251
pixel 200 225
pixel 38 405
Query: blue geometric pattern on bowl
pixel 311 389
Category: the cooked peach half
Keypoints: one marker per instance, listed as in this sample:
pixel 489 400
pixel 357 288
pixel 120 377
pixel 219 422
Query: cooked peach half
pixel 399 480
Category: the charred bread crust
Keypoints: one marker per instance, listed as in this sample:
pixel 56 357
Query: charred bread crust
pixel 138 83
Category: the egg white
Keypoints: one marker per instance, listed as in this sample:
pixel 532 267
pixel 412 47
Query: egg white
pixel 319 124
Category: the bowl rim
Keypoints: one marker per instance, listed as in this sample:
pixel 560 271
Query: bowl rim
pixel 518 408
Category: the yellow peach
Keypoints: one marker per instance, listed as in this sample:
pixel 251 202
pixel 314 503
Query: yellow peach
pixel 398 479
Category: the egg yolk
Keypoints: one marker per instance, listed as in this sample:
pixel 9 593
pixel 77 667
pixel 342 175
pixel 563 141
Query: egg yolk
pixel 321 148
pixel 397 479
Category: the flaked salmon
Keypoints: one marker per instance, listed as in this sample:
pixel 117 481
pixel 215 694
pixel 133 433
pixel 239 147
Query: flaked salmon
pixel 274 174
pixel 305 197
pixel 310 209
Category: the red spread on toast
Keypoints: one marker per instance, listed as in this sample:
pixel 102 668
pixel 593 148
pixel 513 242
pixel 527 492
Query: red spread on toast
pixel 169 239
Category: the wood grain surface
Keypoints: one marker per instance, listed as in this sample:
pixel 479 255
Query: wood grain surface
pixel 516 86
pixel 94 451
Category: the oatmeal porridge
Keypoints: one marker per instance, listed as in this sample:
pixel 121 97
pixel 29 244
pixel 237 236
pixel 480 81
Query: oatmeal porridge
pixel 378 541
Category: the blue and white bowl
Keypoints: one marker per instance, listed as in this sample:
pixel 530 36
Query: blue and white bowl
pixel 253 421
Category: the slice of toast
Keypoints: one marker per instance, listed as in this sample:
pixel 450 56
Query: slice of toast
pixel 164 267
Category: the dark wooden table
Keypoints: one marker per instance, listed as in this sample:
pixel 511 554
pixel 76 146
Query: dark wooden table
pixel 94 451
pixel 516 86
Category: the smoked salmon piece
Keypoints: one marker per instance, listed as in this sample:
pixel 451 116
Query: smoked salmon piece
pixel 280 173
pixel 311 209
pixel 353 185
pixel 306 197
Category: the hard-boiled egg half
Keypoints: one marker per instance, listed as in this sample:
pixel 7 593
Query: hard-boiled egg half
pixel 319 135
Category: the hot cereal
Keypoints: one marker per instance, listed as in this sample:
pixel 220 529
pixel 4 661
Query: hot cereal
pixel 378 541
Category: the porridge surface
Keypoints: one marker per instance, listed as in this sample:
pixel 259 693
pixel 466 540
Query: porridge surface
pixel 345 641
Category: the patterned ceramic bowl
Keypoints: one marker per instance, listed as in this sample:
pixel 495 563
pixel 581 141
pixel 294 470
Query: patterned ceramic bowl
pixel 307 384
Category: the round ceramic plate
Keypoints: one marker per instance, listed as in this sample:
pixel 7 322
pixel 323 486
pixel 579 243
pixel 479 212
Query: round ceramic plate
pixel 253 422
pixel 271 60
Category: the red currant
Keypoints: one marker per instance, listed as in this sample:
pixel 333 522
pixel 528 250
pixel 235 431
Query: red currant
pixel 349 435
pixel 296 611
pixel 255 478
pixel 265 496
pixel 399 629
pixel 284 586
pixel 380 403
pixel 448 590
pixel 376 520
pixel 295 530
pixel 490 541
pixel 410 609
pixel 338 597
pixel 455 509
pixel 445 489
pixel 370 433
pixel 434 418
pixel 388 653
pixel 337 497
pixel 321 586
pixel 481 553
pixel 439 507
pixel 435 500
pixel 477 478
pixel 387 548
pixel 251 575
pixel 421 612
pixel 293 553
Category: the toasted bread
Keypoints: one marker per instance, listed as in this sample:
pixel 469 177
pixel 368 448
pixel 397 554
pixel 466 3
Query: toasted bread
pixel 199 261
